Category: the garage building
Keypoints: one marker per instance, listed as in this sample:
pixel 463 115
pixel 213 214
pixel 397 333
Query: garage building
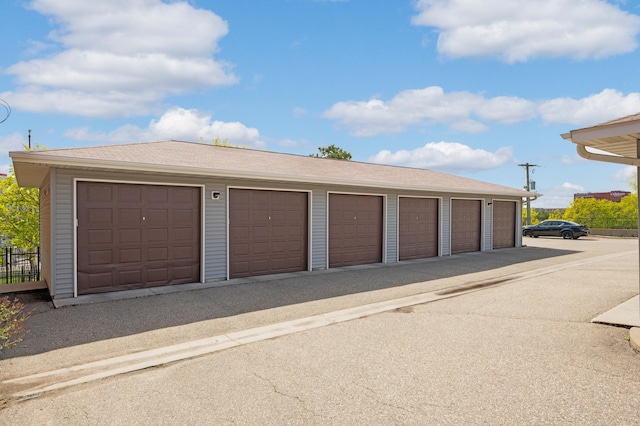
pixel 134 216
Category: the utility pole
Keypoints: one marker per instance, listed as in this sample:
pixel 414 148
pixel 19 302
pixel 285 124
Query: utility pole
pixel 527 166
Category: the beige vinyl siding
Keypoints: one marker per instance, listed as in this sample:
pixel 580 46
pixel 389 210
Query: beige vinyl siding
pixel 392 229
pixel 63 231
pixel 445 223
pixel 60 270
pixel 215 232
pixel 319 229
pixel 45 230
pixel 487 225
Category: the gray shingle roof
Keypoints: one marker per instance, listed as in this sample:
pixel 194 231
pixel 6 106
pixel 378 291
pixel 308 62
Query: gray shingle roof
pixel 190 158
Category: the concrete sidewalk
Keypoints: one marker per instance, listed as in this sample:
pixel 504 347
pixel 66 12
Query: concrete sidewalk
pixel 626 314
pixel 91 341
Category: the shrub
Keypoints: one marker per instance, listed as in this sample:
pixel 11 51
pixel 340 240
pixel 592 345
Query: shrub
pixel 12 319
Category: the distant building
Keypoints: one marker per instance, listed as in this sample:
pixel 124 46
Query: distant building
pixel 551 210
pixel 614 196
pixel 2 176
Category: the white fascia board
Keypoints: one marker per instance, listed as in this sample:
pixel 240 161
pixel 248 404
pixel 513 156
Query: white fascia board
pixel 603 132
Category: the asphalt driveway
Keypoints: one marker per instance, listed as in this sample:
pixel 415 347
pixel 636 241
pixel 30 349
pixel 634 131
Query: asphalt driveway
pixel 521 349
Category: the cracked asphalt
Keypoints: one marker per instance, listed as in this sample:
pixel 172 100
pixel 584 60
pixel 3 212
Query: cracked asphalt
pixel 517 352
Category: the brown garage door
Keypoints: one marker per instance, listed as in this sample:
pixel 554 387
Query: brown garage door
pixel 268 232
pixel 355 229
pixel 137 236
pixel 465 225
pixel 418 228
pixel 504 224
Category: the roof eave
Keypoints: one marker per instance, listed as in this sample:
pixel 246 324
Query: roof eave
pixel 42 162
pixel 582 136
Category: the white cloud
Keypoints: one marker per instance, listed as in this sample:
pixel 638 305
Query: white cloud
pixel 519 30
pixel 469 112
pixel 558 196
pixel 448 156
pixel 120 58
pixel 12 142
pixel 567 160
pixel 590 110
pixel 177 123
pixel 572 187
pixel 289 143
pixel 626 174
pixel 429 105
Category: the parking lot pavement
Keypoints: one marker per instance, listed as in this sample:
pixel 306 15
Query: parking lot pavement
pixel 518 351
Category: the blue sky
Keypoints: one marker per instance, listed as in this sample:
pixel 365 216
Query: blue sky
pixel 470 87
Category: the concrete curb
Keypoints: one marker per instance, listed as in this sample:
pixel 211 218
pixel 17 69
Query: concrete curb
pixel 634 338
pixel 85 373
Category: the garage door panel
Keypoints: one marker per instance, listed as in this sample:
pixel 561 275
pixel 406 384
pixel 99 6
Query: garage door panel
pixel 99 193
pixel 158 195
pixel 129 194
pixel 129 255
pixel 100 236
pixel 100 257
pixel 100 215
pixel 262 248
pixel 504 224
pixel 128 279
pixel 182 272
pixel 267 232
pixel 418 228
pixel 128 216
pixel 182 253
pixel 158 235
pixel 466 225
pixel 128 236
pixel 142 237
pixel 355 229
pixel 97 280
pixel 160 253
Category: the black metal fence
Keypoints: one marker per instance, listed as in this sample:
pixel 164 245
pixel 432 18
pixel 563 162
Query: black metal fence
pixel 17 265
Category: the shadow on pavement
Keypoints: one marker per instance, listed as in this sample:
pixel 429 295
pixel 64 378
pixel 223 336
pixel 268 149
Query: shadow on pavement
pixel 51 328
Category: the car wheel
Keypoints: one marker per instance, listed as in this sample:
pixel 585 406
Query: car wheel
pixel 567 235
pixel 528 234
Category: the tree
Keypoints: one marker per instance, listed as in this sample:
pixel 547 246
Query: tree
pixel 587 211
pixel 222 142
pixel 633 182
pixel 628 211
pixel 534 216
pixel 19 213
pixel 332 151
pixel 556 214
pixel 604 214
pixel 542 214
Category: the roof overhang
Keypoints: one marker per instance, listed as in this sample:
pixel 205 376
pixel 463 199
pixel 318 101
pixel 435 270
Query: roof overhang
pixel 31 170
pixel 612 142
